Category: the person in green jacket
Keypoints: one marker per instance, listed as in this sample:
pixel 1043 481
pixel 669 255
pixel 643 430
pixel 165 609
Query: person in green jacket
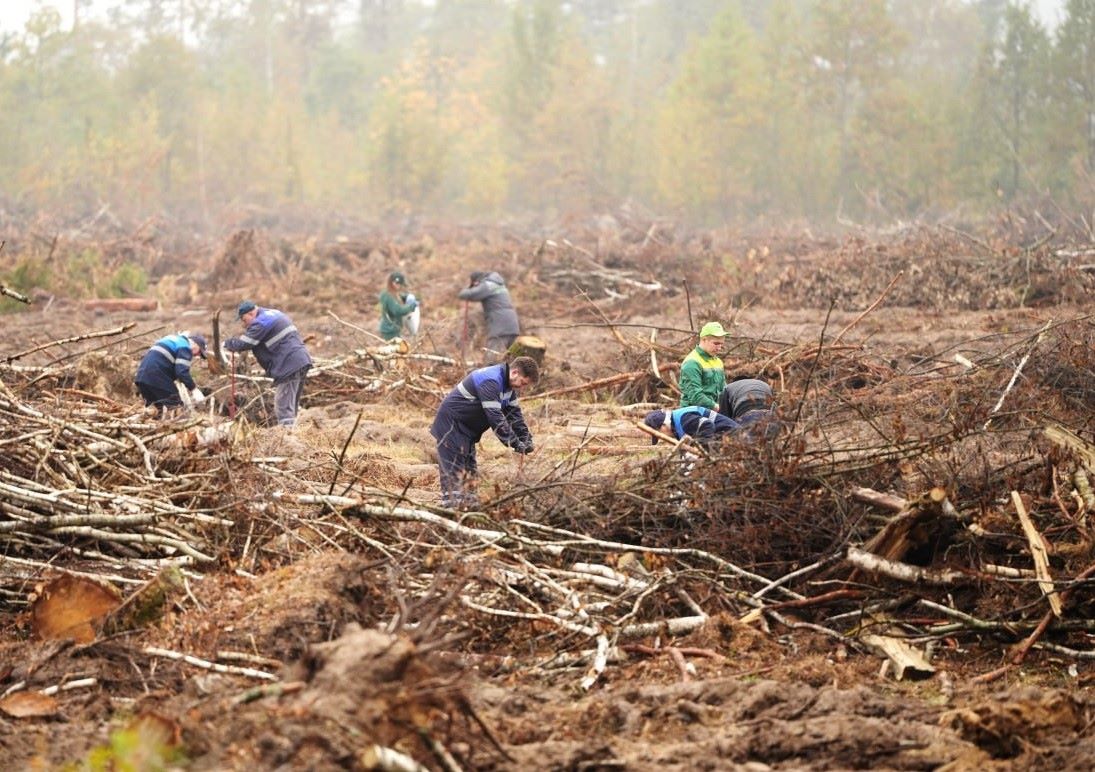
pixel 702 374
pixel 395 304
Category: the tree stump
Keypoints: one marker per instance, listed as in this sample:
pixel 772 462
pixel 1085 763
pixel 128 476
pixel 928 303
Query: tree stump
pixel 527 346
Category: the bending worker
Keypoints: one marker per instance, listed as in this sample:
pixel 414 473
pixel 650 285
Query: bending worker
pixel 749 401
pixel 702 375
pixel 395 305
pixel 278 347
pixel 167 362
pixel 485 399
pixel 700 423
pixel 489 288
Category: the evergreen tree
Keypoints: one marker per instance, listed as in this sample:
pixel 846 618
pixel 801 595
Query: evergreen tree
pixel 1011 102
pixel 1074 75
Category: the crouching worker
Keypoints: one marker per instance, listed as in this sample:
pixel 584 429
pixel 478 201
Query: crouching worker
pixel 167 363
pixel 485 399
pixel 700 423
pixel 748 401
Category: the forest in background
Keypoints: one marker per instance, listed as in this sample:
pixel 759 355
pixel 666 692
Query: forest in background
pixel 706 111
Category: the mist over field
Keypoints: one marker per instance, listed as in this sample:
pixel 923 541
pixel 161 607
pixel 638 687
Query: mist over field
pixel 707 112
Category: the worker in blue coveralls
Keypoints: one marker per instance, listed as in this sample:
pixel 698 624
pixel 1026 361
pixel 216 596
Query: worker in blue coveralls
pixel 278 347
pixel 168 361
pixel 485 399
pixel 702 424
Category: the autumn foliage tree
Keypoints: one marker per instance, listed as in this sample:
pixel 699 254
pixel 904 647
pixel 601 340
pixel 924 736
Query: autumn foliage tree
pixel 712 110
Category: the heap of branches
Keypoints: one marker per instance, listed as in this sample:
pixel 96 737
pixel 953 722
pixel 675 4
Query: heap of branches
pixel 934 505
pixel 943 269
pixel 93 486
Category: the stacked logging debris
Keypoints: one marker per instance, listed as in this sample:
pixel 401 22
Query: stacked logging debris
pixel 914 507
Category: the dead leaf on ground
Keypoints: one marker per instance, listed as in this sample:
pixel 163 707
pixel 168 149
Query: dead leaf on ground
pixel 68 606
pixel 29 705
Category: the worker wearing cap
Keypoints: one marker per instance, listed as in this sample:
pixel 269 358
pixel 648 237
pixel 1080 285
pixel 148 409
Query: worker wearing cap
pixel 485 399
pixel 276 343
pixel 395 304
pixel 703 377
pixel 700 423
pixel 499 315
pixel 167 362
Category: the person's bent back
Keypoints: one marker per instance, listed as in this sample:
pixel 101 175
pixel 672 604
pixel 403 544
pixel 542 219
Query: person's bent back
pixel 749 401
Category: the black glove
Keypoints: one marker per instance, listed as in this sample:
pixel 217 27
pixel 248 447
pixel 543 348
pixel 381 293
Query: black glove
pixel 523 446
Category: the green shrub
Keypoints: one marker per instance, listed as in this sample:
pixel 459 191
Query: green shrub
pixel 129 279
pixel 29 273
pixel 129 750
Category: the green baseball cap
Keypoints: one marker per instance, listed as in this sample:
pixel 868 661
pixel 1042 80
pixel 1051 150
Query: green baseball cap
pixel 712 330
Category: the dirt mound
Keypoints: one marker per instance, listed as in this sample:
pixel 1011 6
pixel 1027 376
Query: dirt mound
pixel 364 688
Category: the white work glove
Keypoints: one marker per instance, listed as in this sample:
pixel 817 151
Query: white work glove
pixel 196 396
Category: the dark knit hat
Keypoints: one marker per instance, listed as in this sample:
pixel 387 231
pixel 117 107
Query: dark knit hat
pixel 198 338
pixel 655 419
pixel 395 277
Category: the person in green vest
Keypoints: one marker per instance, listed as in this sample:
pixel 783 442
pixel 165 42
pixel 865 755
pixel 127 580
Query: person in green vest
pixel 702 376
pixel 395 304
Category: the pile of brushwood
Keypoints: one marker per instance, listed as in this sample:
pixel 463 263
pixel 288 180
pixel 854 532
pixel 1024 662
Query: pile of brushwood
pixel 924 504
pixel 900 507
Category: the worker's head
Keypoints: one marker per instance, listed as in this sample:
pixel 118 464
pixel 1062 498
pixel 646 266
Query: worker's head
pixel 712 336
pixel 656 419
pixel 476 277
pixel 396 280
pixel 246 312
pixel 523 371
pixel 197 344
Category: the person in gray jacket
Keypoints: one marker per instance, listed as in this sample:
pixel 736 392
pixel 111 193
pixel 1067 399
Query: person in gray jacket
pixel 274 340
pixel 489 288
pixel 748 401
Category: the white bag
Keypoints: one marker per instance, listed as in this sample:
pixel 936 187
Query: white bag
pixel 412 320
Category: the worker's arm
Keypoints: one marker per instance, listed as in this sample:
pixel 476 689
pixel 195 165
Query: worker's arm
pixel 251 338
pixel 691 383
pixel 394 309
pixel 516 421
pixel 480 291
pixel 183 359
pixel 490 401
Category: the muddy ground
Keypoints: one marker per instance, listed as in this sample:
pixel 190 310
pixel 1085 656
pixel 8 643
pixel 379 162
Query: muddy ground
pixel 328 615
